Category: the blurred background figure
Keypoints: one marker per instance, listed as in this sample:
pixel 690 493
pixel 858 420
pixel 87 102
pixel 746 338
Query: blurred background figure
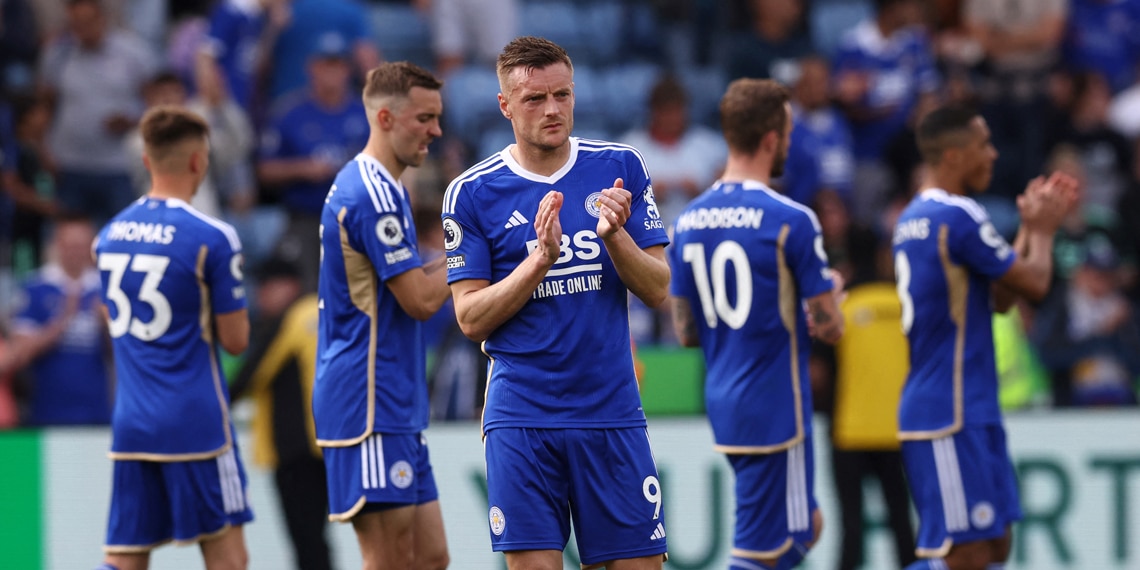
pixel 59 337
pixel 30 183
pixel 277 375
pixel 882 68
pixel 466 32
pixel 1020 42
pixel 309 138
pixel 237 48
pixel 95 74
pixel 821 155
pixel 1087 335
pixel 1100 36
pixel 303 29
pixel 772 44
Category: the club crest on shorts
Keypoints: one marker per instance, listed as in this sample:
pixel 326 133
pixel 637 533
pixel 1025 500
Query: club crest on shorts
pixel 389 230
pixel 593 204
pixel 452 234
pixel 498 521
pixel 982 515
pixel 401 474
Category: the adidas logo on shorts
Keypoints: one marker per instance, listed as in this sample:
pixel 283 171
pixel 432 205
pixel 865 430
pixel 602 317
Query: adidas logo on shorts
pixel 658 533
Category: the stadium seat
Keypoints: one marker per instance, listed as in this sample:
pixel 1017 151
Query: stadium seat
pixel 470 102
pixel 589 100
pixel 402 33
pixel 830 19
pixel 604 30
pixel 625 89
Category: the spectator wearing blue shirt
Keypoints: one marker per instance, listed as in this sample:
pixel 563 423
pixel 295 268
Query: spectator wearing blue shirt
pixel 58 334
pixel 882 68
pixel 821 155
pixel 308 140
pixel 1101 36
pixel 307 22
pixel 239 37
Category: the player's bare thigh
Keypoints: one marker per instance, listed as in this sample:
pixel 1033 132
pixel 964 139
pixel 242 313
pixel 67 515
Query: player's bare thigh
pixel 131 561
pixel 226 551
pixel 651 562
pixel 977 555
pixel 403 537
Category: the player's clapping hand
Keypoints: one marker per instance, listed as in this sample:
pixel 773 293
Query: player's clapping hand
pixel 548 227
pixel 1047 201
pixel 613 209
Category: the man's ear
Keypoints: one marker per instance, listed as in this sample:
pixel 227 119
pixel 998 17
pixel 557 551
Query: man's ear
pixel 503 106
pixel 770 142
pixel 384 118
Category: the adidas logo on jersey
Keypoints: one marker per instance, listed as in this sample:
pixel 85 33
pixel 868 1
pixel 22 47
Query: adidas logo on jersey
pixel 516 220
pixel 658 533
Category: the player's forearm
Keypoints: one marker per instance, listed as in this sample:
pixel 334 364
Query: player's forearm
pixel 480 311
pixel 643 271
pixel 1039 261
pixel 1003 297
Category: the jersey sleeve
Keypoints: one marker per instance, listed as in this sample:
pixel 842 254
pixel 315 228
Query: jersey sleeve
pixel 382 234
pixel 681 276
pixel 644 224
pixel 806 256
pixel 976 243
pixel 224 274
pixel 468 249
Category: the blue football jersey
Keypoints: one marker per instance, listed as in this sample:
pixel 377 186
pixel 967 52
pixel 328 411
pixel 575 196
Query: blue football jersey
pixel 307 130
pixel 370 353
pixel 71 379
pixel 746 257
pixel 947 253
pixel 564 360
pixel 166 270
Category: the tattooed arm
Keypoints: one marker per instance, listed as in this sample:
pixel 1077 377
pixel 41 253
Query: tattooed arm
pixel 825 319
pixel 684 324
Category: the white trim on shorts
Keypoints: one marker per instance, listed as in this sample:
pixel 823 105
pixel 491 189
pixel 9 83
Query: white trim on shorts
pixel 373 474
pixel 233 497
pixel 799 517
pixel 950 484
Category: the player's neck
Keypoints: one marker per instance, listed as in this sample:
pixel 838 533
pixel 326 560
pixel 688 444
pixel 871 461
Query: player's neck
pixel 936 178
pixel 164 187
pixel 543 162
pixel 383 154
pixel 740 168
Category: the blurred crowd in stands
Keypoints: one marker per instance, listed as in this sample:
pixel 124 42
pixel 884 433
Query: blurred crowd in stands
pixel 1057 80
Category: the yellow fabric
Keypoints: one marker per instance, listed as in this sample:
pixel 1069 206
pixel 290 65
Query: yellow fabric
pixel 871 367
pixel 295 340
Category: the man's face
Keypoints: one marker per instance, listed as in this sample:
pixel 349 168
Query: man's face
pixel 329 74
pixel 540 105
pixel 73 245
pixel 415 125
pixel 784 143
pixel 813 86
pixel 978 156
pixel 87 23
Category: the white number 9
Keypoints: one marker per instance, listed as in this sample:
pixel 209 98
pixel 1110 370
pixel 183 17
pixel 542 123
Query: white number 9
pixel 652 490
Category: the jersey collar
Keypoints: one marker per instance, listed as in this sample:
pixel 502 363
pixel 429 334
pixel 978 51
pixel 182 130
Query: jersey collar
pixel 524 173
pixel 383 171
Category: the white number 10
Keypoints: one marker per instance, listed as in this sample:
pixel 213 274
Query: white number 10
pixel 714 300
pixel 154 266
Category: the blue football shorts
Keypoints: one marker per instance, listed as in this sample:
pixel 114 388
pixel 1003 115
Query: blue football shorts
pixel 603 480
pixel 964 488
pixel 154 502
pixel 775 500
pixel 384 471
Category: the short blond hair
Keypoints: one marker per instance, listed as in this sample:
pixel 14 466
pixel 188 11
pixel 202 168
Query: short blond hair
pixel 395 79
